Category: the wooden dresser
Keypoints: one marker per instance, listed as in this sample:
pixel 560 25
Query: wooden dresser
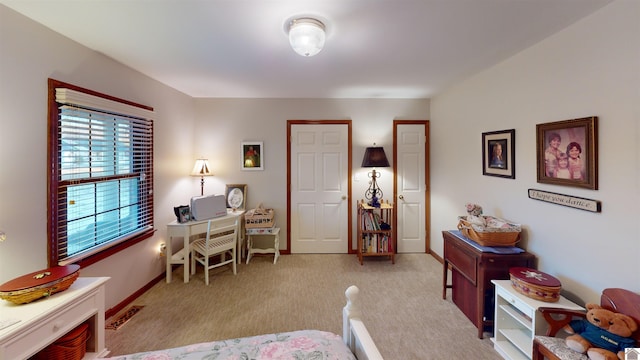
pixel 472 269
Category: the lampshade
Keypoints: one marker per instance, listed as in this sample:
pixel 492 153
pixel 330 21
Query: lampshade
pixel 375 157
pixel 201 168
pixel 306 36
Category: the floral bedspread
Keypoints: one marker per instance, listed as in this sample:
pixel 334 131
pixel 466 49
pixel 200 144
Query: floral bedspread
pixel 298 345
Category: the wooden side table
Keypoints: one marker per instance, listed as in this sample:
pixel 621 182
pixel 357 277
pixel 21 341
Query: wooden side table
pixel 472 269
pixel 276 244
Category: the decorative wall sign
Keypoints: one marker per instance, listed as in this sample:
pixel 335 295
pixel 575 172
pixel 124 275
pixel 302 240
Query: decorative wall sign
pixel 566 200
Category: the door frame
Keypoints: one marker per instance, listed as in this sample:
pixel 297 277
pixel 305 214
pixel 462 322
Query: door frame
pixel 427 191
pixel 290 123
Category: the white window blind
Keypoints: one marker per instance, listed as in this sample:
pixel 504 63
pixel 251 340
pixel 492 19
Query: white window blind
pixel 105 174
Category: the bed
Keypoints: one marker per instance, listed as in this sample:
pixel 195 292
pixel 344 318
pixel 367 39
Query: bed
pixel 355 343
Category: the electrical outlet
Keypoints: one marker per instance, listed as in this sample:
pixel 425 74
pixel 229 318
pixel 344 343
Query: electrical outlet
pixel 163 250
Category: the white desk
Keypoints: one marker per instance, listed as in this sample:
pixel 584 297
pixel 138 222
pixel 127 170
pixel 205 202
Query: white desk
pixel 186 230
pixel 45 320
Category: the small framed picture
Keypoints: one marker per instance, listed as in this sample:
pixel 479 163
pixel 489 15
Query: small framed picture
pixel 567 152
pixel 499 153
pixel 183 213
pixel 236 195
pixel 252 155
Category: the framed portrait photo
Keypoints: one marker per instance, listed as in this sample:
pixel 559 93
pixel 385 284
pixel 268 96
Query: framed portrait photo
pixel 183 213
pixel 567 152
pixel 236 195
pixel 252 155
pixel 498 153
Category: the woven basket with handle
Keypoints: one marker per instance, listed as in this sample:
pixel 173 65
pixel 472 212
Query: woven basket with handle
pixel 488 238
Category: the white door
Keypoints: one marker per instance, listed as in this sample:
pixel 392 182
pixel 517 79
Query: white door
pixel 411 185
pixel 319 188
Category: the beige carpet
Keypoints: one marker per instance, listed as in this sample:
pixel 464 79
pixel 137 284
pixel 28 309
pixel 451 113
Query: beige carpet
pixel 402 306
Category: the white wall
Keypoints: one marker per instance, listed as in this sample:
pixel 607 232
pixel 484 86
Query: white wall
pixel 29 54
pixel 223 123
pixel 589 69
pixel 185 128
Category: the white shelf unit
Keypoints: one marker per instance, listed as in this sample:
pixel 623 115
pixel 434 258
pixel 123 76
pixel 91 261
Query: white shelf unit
pixel 518 321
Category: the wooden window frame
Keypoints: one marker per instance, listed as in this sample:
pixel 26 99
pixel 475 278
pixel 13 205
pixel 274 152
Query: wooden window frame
pixel 54 182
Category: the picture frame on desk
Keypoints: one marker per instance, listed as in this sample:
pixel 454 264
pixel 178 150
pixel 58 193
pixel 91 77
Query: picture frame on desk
pixel 236 196
pixel 183 213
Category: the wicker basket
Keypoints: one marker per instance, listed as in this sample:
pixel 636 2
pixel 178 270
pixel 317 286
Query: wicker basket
pixel 535 284
pixel 259 218
pixel 488 238
pixel 42 286
pixel 69 347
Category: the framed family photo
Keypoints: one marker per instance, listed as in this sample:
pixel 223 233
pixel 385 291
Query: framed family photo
pixel 252 155
pixel 236 195
pixel 567 152
pixel 498 153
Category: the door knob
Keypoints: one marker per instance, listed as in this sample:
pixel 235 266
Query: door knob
pixel 344 197
pixel 401 197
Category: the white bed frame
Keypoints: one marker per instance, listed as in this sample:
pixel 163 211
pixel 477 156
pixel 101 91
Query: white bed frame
pixel 354 332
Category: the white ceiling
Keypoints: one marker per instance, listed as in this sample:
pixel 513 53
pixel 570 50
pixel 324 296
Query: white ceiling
pixel 374 48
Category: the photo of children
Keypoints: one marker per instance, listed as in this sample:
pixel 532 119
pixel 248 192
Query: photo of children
pixel 572 166
pixel 567 152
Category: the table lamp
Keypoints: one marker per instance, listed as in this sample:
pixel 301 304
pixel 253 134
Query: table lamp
pixel 202 169
pixel 374 157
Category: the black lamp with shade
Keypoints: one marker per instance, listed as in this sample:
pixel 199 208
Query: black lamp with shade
pixel 374 157
pixel 202 169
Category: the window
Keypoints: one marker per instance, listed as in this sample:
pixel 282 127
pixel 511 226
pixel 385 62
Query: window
pixel 100 173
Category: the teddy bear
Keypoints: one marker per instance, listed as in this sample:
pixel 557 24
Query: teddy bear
pixel 603 335
pixel 474 216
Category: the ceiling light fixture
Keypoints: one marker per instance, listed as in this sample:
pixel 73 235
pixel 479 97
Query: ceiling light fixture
pixel 306 36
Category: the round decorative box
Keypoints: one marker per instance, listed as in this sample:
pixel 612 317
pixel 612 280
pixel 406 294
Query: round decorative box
pixel 36 285
pixel 535 284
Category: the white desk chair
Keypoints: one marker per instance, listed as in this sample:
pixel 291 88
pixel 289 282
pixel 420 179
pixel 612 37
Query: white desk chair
pixel 221 239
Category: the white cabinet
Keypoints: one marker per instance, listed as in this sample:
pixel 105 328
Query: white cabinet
pixel 518 321
pixel 43 321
